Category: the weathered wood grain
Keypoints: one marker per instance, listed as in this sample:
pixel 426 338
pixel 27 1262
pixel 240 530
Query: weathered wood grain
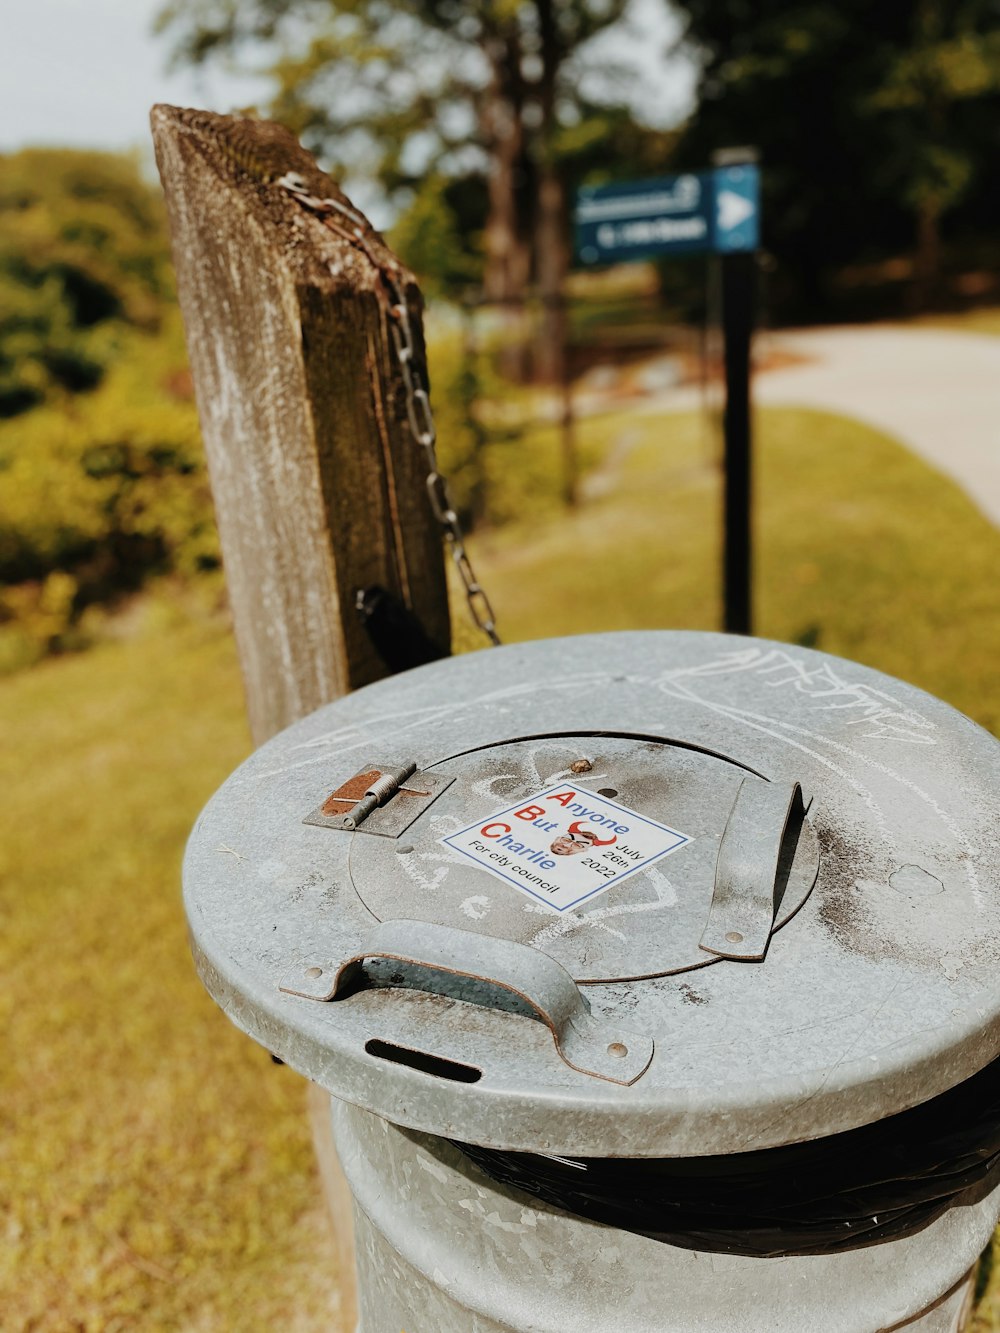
pixel 318 488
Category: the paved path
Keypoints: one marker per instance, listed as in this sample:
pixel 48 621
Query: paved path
pixel 936 391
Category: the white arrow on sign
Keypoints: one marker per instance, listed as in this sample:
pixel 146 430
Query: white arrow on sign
pixel 733 209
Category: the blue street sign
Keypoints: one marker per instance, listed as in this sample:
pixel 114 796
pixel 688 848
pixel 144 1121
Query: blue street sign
pixel 717 211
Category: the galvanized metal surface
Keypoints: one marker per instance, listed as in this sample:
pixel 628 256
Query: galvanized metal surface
pixel 443 1249
pixel 880 992
pixel 599 942
pixel 749 883
pixel 586 1044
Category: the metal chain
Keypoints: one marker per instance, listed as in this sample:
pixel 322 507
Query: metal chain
pixel 418 403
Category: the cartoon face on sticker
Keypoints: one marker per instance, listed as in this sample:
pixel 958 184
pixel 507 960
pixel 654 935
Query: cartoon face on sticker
pixel 568 844
pixel 565 846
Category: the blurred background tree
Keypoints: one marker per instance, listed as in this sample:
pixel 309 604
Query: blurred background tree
pixel 481 117
pixel 472 124
pixel 877 126
pixel 102 481
pixel 82 253
pixel 937 108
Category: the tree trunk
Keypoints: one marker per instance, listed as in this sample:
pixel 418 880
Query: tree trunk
pixel 508 258
pixel 552 253
pixel 927 261
pixel 551 247
pixel 552 265
pixel 552 347
pixel 508 255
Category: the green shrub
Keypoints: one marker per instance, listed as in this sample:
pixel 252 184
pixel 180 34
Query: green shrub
pixel 82 249
pixel 98 497
pixel 103 485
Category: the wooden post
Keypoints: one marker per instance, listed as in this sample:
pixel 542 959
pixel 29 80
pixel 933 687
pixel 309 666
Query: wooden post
pixel 318 487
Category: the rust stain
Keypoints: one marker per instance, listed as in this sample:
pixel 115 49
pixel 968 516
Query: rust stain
pixel 352 790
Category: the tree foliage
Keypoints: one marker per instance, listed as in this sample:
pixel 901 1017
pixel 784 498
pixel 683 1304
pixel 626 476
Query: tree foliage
pixel 82 255
pixel 103 484
pixel 99 494
pixel 461 110
pixel 394 88
pixel 875 122
pixel 102 481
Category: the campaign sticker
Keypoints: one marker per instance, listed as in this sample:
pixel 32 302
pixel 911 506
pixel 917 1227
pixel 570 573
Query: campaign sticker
pixel 565 846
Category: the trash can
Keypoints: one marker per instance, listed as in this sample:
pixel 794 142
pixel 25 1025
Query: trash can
pixel 654 977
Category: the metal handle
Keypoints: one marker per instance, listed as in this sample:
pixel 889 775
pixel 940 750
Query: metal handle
pixel 748 883
pixel 584 1042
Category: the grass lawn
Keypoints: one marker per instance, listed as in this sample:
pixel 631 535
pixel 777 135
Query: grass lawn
pixel 157 1165
pixel 980 319
pixel 861 551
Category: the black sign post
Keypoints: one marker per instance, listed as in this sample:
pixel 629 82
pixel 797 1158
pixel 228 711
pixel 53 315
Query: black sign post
pixel 716 211
pixel 739 300
pixel 739 279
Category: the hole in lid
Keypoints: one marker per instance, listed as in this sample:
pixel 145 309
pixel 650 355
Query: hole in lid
pixel 619 1049
pixel 607 791
pixel 437 1065
pixel 734 937
pixel 314 972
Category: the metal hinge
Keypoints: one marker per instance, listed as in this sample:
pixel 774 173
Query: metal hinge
pixel 375 800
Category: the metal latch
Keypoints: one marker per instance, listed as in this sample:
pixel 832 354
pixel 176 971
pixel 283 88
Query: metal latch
pixel 752 868
pixel 382 798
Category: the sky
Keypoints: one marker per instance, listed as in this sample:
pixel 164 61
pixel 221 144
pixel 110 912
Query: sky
pixel 84 73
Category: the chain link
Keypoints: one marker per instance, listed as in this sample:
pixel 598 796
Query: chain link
pixel 418 403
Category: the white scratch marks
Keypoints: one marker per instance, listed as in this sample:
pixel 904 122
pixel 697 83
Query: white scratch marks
pixel 476 908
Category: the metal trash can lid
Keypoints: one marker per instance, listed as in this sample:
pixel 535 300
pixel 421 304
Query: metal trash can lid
pixel 637 894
